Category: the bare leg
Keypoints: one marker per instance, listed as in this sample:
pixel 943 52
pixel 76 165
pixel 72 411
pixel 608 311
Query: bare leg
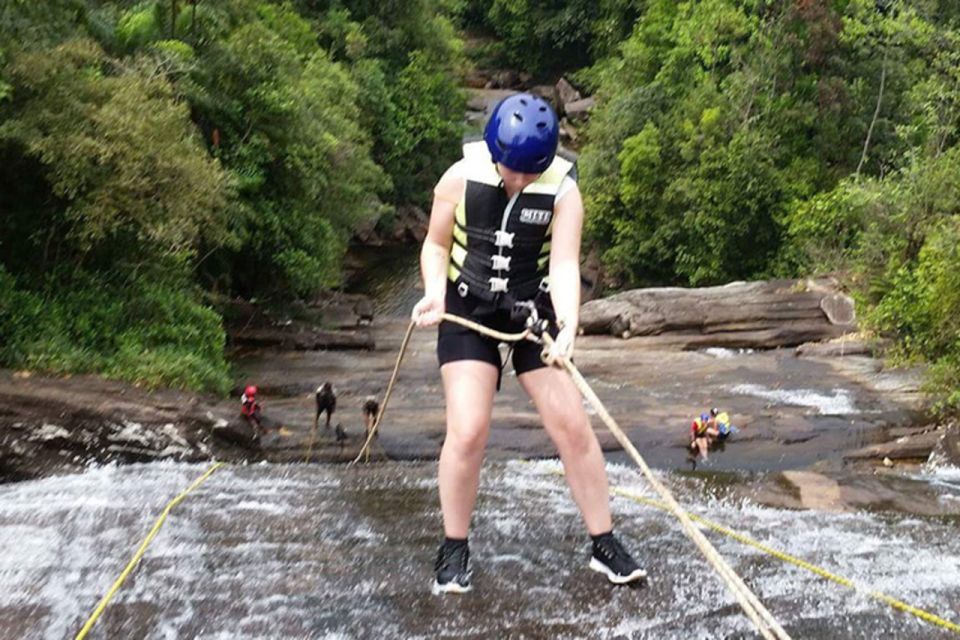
pixel 561 409
pixel 468 386
pixel 369 419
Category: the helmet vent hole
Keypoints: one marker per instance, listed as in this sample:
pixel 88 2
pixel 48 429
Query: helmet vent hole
pixel 501 145
pixel 518 116
pixel 541 125
pixel 543 108
pixel 523 101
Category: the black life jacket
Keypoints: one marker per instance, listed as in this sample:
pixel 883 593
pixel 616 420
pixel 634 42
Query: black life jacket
pixel 501 245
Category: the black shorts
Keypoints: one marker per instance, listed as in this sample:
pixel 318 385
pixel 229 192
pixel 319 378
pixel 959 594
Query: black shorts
pixel 456 342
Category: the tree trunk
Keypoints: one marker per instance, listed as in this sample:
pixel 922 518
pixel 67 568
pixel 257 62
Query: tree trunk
pixel 876 114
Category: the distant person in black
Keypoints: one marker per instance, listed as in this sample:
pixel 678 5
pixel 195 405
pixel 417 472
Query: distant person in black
pixel 370 410
pixel 326 402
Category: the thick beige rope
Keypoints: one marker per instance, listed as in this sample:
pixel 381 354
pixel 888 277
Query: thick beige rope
pixel 762 619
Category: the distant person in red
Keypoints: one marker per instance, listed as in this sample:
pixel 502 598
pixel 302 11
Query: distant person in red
pixel 702 433
pixel 250 408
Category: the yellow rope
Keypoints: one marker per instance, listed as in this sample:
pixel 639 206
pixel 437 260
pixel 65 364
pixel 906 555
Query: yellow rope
pixel 139 554
pixel 762 619
pixel 786 557
pixel 313 437
pixel 803 564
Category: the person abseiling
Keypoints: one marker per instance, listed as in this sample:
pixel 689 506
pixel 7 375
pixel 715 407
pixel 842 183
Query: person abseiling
pixel 504 228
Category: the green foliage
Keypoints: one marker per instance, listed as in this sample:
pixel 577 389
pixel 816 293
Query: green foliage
pixel 898 239
pixel 758 108
pixel 119 151
pixel 544 36
pixel 922 310
pixel 31 24
pixel 290 133
pixel 821 231
pixel 140 25
pixel 406 59
pixel 737 139
pixel 427 115
pixel 151 330
pixel 217 141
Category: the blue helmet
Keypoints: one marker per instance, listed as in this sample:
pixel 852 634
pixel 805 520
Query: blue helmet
pixel 704 416
pixel 522 133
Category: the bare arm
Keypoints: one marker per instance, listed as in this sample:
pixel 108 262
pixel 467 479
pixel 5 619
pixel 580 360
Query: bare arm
pixel 435 253
pixel 565 258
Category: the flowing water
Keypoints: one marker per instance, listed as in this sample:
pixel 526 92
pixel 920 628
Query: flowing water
pixel 313 551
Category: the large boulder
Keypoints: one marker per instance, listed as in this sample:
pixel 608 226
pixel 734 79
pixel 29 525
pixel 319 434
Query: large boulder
pixel 766 314
pixel 578 110
pixel 548 93
pixel 947 450
pixel 297 336
pixel 504 79
pixel 836 348
pixel 567 92
pixel 50 425
pixel 916 447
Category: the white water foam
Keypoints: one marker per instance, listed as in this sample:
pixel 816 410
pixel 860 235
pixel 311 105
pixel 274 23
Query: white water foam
pixel 722 353
pixel 326 561
pixel 839 403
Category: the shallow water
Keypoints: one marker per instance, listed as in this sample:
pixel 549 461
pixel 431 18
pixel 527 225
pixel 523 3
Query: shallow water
pixel 327 552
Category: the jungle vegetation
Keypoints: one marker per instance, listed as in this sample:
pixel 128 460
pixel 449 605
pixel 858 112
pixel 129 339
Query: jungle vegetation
pixel 159 155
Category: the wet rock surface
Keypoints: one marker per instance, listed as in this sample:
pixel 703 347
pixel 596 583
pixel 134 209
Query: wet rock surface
pixel 791 412
pixel 838 347
pixel 317 551
pixel 332 320
pixel 50 425
pixel 295 336
pixel 752 315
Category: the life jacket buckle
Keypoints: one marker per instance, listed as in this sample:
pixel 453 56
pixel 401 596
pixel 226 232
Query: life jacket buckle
pixel 526 312
pixel 499 285
pixel 463 289
pixel 501 263
pixel 503 239
pixel 544 285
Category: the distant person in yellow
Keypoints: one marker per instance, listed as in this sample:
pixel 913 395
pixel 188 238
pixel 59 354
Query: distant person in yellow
pixel 505 228
pixel 720 421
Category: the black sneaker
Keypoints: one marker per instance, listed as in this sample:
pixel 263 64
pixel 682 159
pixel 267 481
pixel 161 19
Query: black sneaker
pixel 610 558
pixel 452 567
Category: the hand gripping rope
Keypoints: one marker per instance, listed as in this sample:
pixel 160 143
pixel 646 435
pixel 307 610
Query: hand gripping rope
pixel 762 619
